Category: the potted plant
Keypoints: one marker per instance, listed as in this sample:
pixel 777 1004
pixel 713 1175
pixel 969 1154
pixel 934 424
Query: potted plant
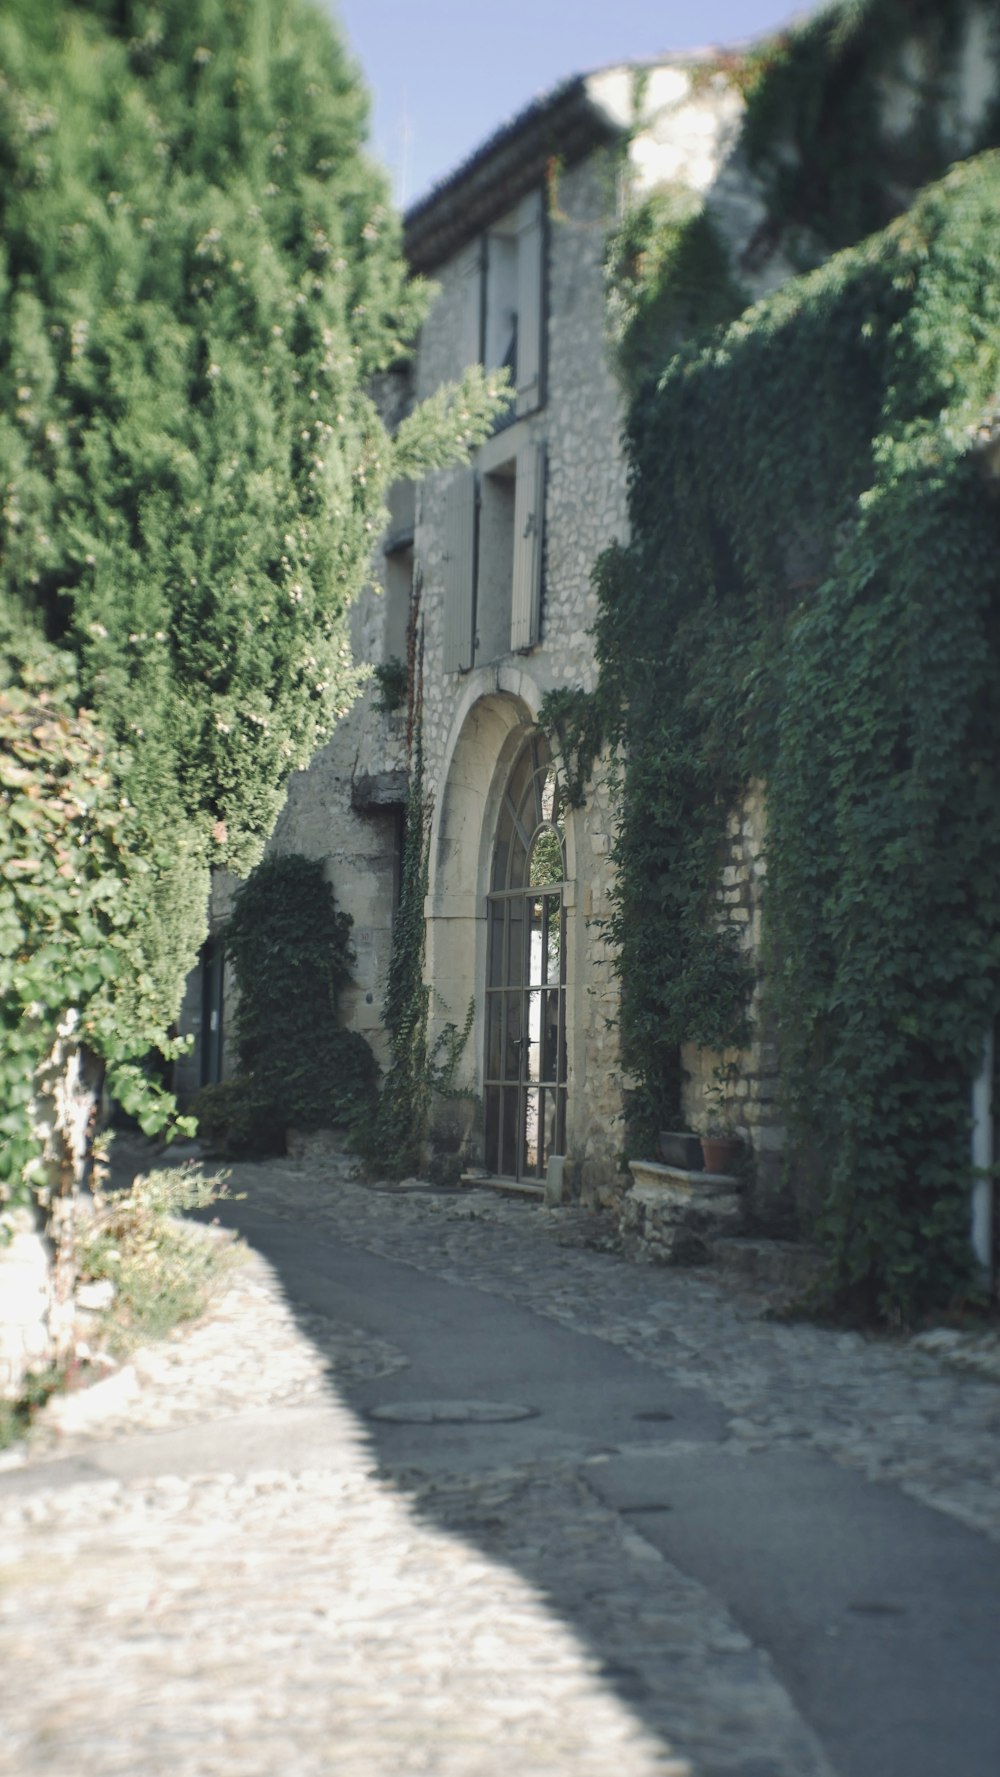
pixel 721 1147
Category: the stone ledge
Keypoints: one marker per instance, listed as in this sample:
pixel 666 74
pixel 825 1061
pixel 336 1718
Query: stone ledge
pixel 379 789
pixel 655 1174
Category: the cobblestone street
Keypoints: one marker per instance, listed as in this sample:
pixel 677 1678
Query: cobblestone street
pixel 169 1603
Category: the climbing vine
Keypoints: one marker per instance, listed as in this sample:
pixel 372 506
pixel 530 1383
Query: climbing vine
pixel 667 278
pixel 399 1132
pixel 575 720
pixel 418 1070
pixel 811 598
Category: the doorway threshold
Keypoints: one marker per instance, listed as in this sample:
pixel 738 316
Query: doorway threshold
pixel 509 1187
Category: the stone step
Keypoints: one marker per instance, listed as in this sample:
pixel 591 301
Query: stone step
pixel 510 1187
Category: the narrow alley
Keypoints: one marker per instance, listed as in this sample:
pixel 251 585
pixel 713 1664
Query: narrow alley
pixel 441 1486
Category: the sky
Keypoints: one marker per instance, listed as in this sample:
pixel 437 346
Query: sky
pixel 444 74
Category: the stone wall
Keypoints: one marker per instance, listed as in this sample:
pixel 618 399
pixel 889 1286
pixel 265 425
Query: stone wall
pixel 37 1265
pixel 739 1087
pixel 361 846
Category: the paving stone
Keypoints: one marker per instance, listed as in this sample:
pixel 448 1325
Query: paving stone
pixel 235 1625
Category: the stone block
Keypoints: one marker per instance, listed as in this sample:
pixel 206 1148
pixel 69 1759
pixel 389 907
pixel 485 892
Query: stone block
pixel 26 1334
pixel 314 1144
pixel 672 1216
pixel 554 1181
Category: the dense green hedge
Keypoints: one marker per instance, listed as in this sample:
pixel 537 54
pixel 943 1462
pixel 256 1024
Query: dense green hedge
pixel 200 273
pixel 72 874
pixel 291 954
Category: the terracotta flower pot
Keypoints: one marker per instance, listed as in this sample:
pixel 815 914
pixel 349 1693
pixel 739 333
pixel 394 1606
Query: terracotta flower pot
pixel 721 1153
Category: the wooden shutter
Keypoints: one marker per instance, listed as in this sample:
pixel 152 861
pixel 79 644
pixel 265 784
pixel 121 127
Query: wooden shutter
pixel 530 303
pixel 473 273
pixel 459 571
pixel 529 529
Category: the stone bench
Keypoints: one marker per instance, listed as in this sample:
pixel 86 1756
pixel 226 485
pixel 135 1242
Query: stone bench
pixel 673 1216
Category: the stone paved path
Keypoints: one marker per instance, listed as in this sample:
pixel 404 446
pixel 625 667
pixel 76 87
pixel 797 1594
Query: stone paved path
pixel 923 1413
pixel 326 1618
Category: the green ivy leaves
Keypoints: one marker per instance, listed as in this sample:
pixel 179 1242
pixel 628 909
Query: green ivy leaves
pixel 812 596
pixel 71 882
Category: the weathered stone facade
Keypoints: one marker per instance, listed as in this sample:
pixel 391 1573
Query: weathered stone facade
pixel 474 721
pixel 621 136
pixel 671 127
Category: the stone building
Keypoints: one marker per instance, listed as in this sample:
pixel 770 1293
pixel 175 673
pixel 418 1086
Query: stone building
pixel 500 554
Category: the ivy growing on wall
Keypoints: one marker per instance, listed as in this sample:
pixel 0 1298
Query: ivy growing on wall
pixel 817 101
pixel 395 1144
pixel 811 596
pixel 668 278
pixel 574 719
pixel 395 1148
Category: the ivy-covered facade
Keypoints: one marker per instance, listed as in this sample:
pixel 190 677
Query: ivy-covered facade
pixel 804 629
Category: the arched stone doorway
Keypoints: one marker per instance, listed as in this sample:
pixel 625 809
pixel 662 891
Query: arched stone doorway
pixel 525 1072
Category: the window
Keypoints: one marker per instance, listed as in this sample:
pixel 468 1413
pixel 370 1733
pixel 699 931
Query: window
pixel 495 563
pixel 504 296
pixel 398 569
pixel 494 547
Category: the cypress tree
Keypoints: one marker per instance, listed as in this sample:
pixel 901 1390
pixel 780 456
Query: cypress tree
pixel 200 277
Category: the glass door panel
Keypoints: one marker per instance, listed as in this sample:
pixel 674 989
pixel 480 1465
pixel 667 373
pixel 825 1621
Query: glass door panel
pixel 525 1060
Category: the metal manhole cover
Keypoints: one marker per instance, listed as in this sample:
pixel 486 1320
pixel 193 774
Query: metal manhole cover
pixel 453 1412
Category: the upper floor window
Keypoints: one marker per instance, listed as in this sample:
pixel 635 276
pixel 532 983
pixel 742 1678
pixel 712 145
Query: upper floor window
pixel 494 525
pixel 398 569
pixel 504 302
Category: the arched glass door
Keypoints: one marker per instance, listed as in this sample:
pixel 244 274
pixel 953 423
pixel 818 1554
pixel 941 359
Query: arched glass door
pixel 525 1076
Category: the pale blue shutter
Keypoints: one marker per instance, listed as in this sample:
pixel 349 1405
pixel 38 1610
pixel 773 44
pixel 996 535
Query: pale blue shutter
pixel 459 571
pixel 529 529
pixel 530 303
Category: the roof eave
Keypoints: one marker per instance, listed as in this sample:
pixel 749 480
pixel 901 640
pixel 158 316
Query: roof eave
pixel 563 127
